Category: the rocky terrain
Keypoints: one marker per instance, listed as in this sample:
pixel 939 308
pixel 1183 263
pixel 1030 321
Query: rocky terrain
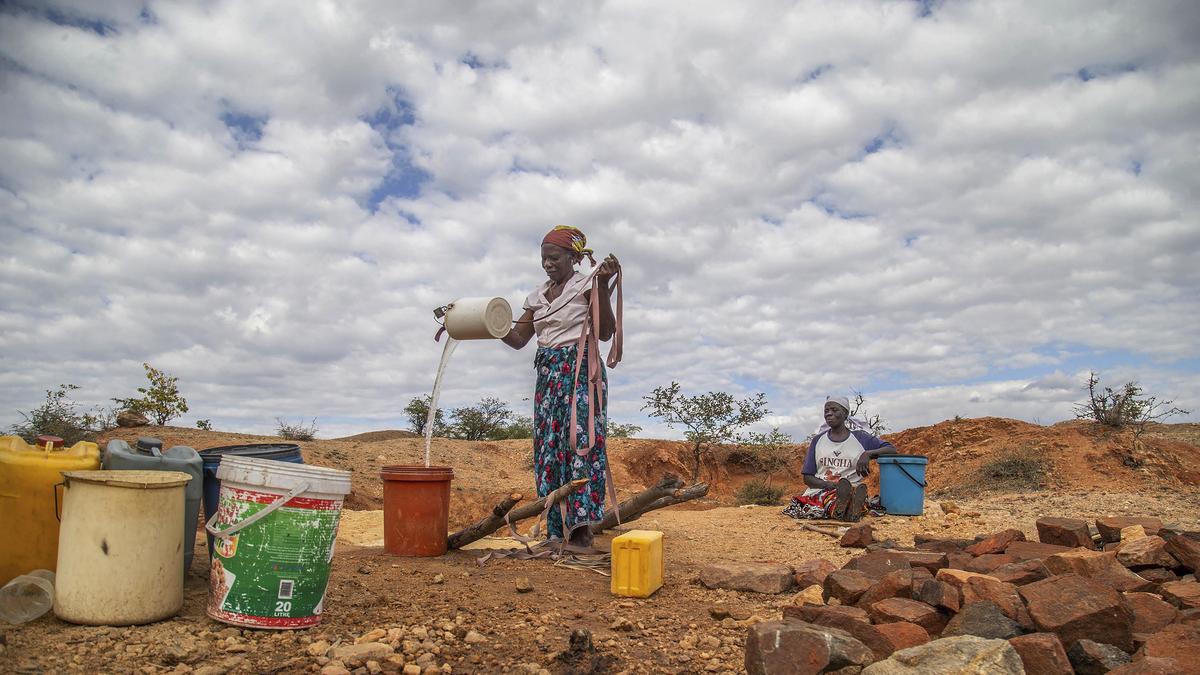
pixel 738 578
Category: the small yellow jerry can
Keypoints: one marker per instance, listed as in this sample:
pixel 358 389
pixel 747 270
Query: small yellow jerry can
pixel 637 563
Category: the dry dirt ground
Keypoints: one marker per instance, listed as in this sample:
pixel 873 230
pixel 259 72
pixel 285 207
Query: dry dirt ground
pixel 452 614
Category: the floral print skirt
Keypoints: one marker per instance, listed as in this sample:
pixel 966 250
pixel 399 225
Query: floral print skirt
pixel 556 464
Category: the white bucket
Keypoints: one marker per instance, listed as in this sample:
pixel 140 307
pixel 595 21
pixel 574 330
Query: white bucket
pixel 478 318
pixel 274 530
pixel 120 547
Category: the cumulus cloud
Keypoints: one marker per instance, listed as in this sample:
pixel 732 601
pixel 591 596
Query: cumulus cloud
pixel 956 208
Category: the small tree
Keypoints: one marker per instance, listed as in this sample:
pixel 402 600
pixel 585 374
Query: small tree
pixel 204 425
pixel 480 421
pixel 161 401
pixel 1128 406
pixel 618 430
pixel 418 413
pixel 297 431
pixel 520 426
pixel 770 452
pixel 709 419
pixel 59 416
pixel 875 423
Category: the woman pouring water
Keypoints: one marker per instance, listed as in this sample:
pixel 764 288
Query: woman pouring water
pixel 570 314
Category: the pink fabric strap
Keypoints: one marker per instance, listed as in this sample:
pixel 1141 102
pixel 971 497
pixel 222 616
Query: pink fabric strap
pixel 588 340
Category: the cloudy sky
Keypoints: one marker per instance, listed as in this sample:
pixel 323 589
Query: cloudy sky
pixel 958 208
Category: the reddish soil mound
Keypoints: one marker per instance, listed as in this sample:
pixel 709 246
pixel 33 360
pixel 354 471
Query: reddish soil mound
pixel 1081 455
pixel 372 436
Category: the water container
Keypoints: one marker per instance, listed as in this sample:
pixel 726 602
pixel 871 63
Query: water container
pixel 27 597
pixel 637 563
pixel 281 452
pixel 416 509
pixel 902 484
pixel 120 550
pixel 28 475
pixel 478 318
pixel 275 529
pixel 148 455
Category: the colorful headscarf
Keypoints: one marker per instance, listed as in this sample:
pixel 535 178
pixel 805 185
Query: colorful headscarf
pixel 570 238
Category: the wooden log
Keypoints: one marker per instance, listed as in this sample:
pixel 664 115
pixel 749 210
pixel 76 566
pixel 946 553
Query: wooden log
pixel 514 515
pixel 636 505
pixel 489 523
pixel 674 497
pixel 820 530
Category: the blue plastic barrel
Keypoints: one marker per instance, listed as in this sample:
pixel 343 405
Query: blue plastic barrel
pixel 902 484
pixel 281 452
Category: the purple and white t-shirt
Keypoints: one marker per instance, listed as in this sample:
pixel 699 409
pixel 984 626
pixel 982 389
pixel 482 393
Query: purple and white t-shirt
pixel 830 460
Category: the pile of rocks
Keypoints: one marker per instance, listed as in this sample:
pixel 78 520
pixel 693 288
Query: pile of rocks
pixel 1121 597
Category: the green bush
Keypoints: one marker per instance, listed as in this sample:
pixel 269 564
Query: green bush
pixel 59 415
pixel 1020 469
pixel 205 424
pixel 297 431
pixel 161 401
pixel 758 492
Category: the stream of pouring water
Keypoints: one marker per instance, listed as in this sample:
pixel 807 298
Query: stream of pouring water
pixel 451 343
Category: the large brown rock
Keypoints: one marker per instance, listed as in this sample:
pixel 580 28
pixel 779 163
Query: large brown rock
pixel 987 562
pixel 984 619
pixel 896 584
pixel 1030 550
pixel 1070 532
pixel 1150 612
pixel 912 611
pixel 1182 594
pixel 959 561
pixel 996 543
pixel 1099 566
pixel 128 418
pixel 927 542
pixel 846 585
pixel 1110 528
pixel 1021 573
pixel 929 560
pixel 1095 658
pixel 860 628
pixel 815 613
pixel 1003 594
pixel 861 535
pixel 902 635
pixel 1179 641
pixel 1186 550
pixel 797 647
pixel 812 572
pixel 1042 654
pixel 961 655
pixel 1074 608
pixel 755 577
pixel 1157 575
pixel 1146 551
pixel 938 594
pixel 877 563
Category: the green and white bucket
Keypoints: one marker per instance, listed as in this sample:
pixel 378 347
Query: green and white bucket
pixel 275 527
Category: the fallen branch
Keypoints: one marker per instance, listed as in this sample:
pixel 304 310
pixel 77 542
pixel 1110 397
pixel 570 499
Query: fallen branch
pixel 480 530
pixel 820 530
pixel 488 524
pixel 674 497
pixel 638 504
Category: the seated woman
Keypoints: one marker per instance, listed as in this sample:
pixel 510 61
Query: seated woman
pixel 838 460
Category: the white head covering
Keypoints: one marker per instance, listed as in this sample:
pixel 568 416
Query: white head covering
pixel 840 400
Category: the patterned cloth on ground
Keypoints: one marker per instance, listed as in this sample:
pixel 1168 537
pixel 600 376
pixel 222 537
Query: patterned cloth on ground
pixel 820 506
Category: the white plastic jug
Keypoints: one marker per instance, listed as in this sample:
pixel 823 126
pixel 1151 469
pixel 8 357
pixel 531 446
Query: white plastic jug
pixel 120 547
pixel 478 318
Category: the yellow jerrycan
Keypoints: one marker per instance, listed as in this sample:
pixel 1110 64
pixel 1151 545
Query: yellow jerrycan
pixel 29 499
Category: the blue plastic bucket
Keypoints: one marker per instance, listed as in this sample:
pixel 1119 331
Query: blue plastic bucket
pixel 902 484
pixel 280 452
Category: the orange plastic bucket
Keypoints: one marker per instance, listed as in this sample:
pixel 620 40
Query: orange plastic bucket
pixel 416 509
